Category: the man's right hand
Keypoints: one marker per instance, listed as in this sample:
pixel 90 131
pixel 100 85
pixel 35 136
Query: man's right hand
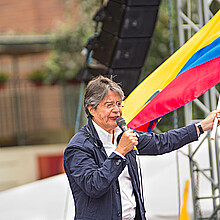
pixel 127 142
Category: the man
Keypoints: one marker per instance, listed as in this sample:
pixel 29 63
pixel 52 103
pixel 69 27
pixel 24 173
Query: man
pixel 100 162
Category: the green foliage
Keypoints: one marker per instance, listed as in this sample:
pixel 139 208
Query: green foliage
pixel 66 58
pixel 4 77
pixel 218 87
pixel 215 6
pixel 89 7
pixel 67 44
pixel 160 49
pixel 38 76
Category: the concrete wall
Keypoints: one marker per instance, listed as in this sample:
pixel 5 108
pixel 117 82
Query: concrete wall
pixel 20 165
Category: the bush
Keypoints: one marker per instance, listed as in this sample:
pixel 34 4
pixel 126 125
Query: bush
pixel 4 77
pixel 66 58
pixel 37 76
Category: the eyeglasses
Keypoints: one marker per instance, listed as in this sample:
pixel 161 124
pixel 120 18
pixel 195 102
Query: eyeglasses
pixel 111 105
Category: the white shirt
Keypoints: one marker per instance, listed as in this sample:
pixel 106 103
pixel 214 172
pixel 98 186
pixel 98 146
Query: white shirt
pixel 126 189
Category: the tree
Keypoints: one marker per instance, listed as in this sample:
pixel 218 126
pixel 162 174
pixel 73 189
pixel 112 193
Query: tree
pixel 66 58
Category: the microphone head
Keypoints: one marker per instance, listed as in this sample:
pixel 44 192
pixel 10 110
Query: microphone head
pixel 120 121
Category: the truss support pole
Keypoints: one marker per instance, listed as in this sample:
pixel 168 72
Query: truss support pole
pixel 187 26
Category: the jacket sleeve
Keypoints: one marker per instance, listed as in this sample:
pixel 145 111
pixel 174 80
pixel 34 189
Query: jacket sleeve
pixel 94 176
pixel 157 144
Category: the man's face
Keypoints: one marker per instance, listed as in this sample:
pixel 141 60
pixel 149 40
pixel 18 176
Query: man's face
pixel 107 111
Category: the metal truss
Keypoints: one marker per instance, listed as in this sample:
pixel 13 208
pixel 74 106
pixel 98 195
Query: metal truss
pixel 192 15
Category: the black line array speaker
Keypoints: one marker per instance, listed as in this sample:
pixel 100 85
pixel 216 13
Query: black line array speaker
pixel 130 21
pixel 125 38
pixel 118 52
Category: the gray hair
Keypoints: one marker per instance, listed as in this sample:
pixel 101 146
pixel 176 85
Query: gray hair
pixel 97 89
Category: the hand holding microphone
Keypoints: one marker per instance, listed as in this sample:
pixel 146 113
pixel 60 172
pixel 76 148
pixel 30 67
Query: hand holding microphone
pixel 128 140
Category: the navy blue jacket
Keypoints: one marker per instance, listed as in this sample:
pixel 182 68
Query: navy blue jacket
pixel 93 176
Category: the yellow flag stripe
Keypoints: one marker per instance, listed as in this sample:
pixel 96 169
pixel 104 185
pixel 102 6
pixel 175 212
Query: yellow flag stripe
pixel 165 73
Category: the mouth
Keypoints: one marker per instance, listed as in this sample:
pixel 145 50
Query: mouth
pixel 114 118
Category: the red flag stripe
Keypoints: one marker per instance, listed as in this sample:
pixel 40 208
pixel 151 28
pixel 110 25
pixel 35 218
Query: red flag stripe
pixel 179 92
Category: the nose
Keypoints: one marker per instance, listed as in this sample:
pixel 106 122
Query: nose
pixel 116 108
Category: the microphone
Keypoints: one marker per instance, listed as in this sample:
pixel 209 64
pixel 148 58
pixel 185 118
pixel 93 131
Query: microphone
pixel 122 124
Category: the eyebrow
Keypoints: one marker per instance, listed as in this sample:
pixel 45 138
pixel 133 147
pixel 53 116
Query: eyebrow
pixel 112 102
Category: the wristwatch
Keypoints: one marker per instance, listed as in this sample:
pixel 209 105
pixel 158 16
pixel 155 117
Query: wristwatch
pixel 199 126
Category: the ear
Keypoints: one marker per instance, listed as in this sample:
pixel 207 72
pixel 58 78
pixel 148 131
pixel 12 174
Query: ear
pixel 91 110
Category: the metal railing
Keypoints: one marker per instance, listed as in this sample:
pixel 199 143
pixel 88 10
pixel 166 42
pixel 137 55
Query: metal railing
pixel 30 113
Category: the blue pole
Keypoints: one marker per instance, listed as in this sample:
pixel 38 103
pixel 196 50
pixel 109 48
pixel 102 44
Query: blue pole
pixel 79 110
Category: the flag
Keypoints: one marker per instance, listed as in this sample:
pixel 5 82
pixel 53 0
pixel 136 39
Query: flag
pixel 188 73
pixel 184 215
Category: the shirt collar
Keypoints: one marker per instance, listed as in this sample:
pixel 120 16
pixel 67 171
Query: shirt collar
pixel 104 136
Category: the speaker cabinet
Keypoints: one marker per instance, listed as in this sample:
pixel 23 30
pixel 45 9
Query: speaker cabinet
pixel 125 37
pixel 121 53
pixel 127 78
pixel 130 22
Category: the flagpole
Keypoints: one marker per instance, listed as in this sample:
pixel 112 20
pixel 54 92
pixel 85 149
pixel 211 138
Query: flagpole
pixel 213 132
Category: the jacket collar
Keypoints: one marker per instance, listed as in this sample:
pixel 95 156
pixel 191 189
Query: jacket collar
pixel 93 132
